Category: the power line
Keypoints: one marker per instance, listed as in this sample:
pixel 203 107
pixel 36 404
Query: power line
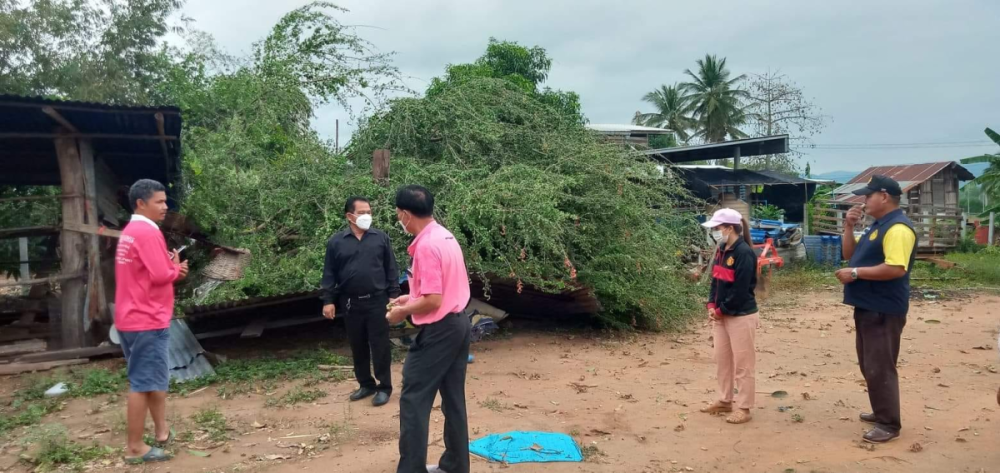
pixel 875 146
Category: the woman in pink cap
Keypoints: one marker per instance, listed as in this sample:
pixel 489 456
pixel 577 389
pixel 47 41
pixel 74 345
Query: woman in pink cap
pixel 732 310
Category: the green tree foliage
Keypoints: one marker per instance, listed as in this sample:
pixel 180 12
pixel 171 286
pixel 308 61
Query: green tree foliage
pixel 107 51
pixel 989 181
pixel 533 197
pixel 716 102
pixel 671 111
pixel 526 68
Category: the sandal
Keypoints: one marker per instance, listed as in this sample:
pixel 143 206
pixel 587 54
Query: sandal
pixel 739 417
pixel 168 441
pixel 718 407
pixel 155 454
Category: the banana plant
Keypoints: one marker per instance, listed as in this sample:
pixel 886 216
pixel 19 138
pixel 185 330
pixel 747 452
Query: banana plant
pixel 990 179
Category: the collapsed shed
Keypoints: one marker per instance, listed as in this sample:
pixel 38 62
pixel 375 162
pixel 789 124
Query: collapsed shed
pixel 92 153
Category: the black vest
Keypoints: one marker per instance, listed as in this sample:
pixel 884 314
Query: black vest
pixel 886 297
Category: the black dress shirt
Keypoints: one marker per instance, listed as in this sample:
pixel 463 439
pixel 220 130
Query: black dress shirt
pixel 354 267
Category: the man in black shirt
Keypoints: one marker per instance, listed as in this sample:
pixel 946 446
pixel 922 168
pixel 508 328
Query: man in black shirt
pixel 359 277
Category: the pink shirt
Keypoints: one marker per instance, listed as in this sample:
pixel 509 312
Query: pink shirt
pixel 144 278
pixel 438 268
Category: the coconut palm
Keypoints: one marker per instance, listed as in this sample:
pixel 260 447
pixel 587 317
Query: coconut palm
pixel 671 111
pixel 715 101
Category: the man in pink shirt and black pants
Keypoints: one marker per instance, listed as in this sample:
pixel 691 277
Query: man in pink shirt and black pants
pixel 438 358
pixel 145 273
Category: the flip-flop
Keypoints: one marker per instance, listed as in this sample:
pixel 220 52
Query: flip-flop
pixel 739 417
pixel 170 438
pixel 717 408
pixel 155 454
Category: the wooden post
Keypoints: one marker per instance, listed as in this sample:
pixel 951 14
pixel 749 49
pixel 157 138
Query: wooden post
pixel 96 303
pixel 22 244
pixel 962 223
pixel 380 165
pixel 72 244
pixel 992 223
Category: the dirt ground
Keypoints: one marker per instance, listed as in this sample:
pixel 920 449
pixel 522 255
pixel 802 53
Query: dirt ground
pixel 633 400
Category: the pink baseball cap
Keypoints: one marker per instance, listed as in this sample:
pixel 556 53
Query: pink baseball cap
pixel 724 217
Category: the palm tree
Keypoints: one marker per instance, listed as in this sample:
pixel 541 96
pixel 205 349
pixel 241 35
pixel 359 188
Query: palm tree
pixel 671 108
pixel 989 181
pixel 715 101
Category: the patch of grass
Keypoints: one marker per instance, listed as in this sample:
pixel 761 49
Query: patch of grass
pixel 799 277
pixel 398 354
pixel 982 268
pixel 212 422
pixel 247 375
pixel 494 405
pixel 98 381
pixel 54 450
pixel 295 396
pixel 591 453
pixel 798 418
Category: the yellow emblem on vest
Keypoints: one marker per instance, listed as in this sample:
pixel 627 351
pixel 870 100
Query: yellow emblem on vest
pixel 874 235
pixel 730 261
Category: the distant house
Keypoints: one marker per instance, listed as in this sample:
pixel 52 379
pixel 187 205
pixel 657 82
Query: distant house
pixel 931 184
pixel 930 199
pixel 635 135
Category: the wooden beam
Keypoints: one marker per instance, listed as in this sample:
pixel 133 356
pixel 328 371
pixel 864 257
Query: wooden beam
pixel 105 136
pixel 59 355
pixel 19 368
pixel 59 119
pixel 37 197
pixel 92 230
pixel 83 108
pixel 26 346
pixel 72 244
pixel 163 142
pixel 48 280
pixel 28 232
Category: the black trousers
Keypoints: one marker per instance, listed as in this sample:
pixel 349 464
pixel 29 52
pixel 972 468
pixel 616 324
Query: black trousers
pixel 368 332
pixel 437 361
pixel 878 349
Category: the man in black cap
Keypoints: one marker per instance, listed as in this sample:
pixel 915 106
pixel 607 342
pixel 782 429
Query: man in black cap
pixel 877 284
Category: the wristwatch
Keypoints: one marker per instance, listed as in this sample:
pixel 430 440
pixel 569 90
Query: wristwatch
pixel 854 274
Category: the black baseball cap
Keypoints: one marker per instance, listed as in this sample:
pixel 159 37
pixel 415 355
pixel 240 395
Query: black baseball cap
pixel 880 183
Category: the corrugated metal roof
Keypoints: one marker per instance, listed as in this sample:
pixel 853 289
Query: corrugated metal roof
pixel 908 176
pixel 251 302
pixel 186 357
pixel 917 173
pixel 610 128
pixel 777 144
pixel 30 157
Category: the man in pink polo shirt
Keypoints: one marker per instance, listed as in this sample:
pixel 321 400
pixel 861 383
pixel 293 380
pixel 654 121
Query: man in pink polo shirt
pixel 145 273
pixel 438 358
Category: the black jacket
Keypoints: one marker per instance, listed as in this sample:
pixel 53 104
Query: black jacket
pixel 734 278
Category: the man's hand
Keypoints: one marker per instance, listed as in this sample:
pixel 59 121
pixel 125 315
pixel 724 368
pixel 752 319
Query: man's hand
pixel 395 315
pixel 854 216
pixel 844 275
pixel 401 300
pixel 175 257
pixel 183 270
pixel 712 315
pixel 330 311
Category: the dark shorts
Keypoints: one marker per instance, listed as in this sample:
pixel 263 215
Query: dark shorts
pixel 146 357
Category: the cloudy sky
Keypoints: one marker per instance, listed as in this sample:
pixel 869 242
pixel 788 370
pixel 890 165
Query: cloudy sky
pixel 885 72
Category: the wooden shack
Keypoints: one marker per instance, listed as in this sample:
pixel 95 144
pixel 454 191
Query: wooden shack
pixel 92 153
pixel 930 199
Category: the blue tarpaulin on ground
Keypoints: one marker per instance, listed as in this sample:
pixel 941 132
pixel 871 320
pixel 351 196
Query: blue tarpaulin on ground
pixel 527 447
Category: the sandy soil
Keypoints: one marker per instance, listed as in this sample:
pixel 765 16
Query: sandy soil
pixel 635 402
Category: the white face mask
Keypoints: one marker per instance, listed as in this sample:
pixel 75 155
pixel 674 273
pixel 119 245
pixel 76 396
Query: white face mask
pixel 717 235
pixel 403 226
pixel 363 222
